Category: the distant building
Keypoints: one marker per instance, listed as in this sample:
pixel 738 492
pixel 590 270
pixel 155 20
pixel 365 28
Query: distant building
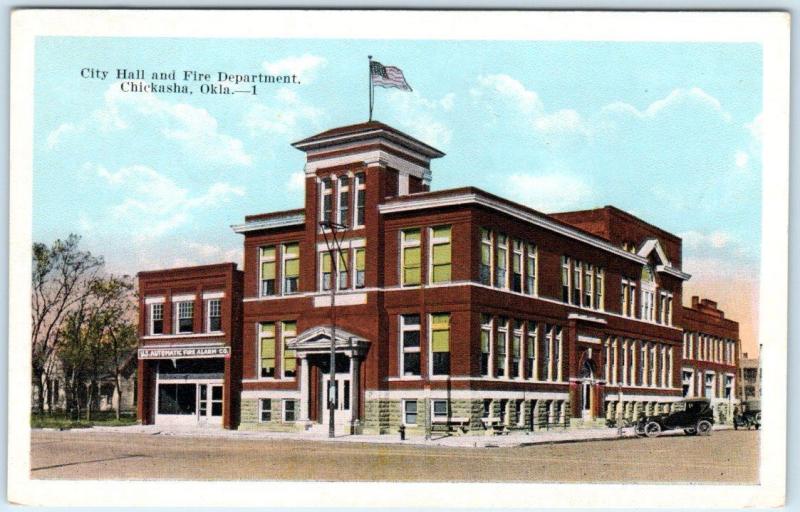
pixel 453 308
pixel 749 378
pixel 710 355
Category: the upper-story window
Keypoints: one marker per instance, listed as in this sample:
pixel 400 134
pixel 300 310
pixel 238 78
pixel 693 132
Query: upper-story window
pixel 588 284
pixel 361 197
pixel 599 289
pixel 343 269
pixel 288 334
pixel 531 269
pixel 410 256
pixel 648 284
pixel 326 200
pixel 501 262
pixel 268 264
pixel 360 267
pixel 214 315
pixel 628 297
pixel 156 318
pixel 266 338
pixel 486 344
pixel 291 267
pixel 531 347
pixel 326 279
pixel 440 343
pixel 409 349
pixel 502 347
pixel 184 318
pixel 486 257
pixel 441 251
pixel 343 200
pixel 516 266
pixel 565 280
pixel 665 308
pixel 516 349
pixel 577 283
pixel 582 284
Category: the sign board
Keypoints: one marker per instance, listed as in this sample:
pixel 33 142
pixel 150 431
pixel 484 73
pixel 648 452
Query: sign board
pixel 183 352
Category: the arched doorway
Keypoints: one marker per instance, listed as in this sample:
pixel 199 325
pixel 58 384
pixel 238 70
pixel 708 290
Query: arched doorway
pixel 587 381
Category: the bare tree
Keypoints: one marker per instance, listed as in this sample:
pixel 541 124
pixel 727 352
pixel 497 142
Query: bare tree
pixel 61 279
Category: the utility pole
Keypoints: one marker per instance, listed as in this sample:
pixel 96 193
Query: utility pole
pixel 334 250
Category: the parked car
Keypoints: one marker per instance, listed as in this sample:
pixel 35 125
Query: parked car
pixel 694 416
pixel 750 415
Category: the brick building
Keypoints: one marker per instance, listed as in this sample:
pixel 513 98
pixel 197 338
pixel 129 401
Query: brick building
pixel 453 307
pixel 710 356
pixel 749 378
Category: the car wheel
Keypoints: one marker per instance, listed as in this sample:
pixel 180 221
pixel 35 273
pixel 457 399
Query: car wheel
pixel 690 431
pixel 652 429
pixel 757 425
pixel 639 429
pixel 735 425
pixel 704 427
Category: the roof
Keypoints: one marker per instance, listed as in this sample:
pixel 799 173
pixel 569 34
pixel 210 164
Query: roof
pixel 362 131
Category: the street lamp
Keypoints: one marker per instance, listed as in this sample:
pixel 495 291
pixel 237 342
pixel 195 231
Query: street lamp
pixel 334 249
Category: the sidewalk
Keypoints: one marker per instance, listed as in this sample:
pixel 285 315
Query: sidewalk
pixel 463 441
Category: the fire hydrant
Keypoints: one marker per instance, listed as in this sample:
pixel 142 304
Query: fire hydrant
pixel 402 431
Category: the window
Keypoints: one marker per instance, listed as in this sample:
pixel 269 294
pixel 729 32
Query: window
pixel 577 280
pixel 289 410
pixel 156 318
pixel 216 400
pixel 640 364
pixel 516 347
pixel 326 191
pixel 486 343
pixel 440 409
pixel 440 343
pixel 588 282
pixel 686 383
pixel 441 269
pixel 516 267
pixel 214 318
pixel 185 317
pixel 518 412
pixel 503 410
pixel 267 259
pixel 599 289
pixel 665 308
pixel 326 279
pixel 487 408
pixel 410 256
pixel 557 350
pixel 409 412
pixel 288 333
pixel 565 268
pixel 625 363
pixel 291 267
pixel 360 273
pixel 486 257
pixel 530 351
pixel 178 399
pixel 502 344
pixel 653 364
pixel 648 294
pixel 546 352
pixel 501 262
pixel 343 267
pixel 628 297
pixel 343 200
pixel 709 385
pixel 409 353
pixel 265 406
pixel 266 341
pixel 361 194
pixel 530 269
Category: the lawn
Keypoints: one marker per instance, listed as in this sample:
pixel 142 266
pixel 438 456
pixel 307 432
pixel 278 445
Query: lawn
pixel 63 421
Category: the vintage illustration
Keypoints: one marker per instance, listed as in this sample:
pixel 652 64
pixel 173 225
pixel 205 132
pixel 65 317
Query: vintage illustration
pixel 396 260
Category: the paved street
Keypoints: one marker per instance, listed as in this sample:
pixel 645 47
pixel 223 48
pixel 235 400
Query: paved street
pixel 726 457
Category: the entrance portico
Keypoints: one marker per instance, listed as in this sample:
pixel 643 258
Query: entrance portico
pixel 313 349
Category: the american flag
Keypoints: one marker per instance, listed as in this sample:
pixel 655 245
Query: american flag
pixel 387 76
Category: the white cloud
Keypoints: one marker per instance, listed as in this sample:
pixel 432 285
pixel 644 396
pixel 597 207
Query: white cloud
pixel 419 115
pixel 549 192
pixel 205 254
pixel 756 127
pixel 64 130
pixel 304 66
pixel 697 240
pixel 283 117
pixel 193 128
pixel 561 122
pixel 297 182
pixel 675 98
pixel 741 158
pixel 511 89
pixel 155 204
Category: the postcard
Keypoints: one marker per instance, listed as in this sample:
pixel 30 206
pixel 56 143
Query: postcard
pixel 398 258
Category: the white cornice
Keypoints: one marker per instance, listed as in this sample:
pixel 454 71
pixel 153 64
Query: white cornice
pixel 379 133
pixel 473 198
pixel 297 219
pixel 673 272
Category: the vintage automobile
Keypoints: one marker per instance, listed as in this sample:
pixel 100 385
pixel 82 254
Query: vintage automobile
pixel 694 416
pixel 750 416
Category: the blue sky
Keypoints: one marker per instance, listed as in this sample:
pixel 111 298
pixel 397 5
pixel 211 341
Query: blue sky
pixel 667 131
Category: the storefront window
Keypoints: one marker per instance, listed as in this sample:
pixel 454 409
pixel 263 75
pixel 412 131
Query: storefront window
pixel 177 399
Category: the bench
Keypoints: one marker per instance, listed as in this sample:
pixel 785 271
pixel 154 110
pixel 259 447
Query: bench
pixel 450 423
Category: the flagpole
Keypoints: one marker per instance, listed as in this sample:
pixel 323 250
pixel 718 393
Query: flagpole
pixel 370 86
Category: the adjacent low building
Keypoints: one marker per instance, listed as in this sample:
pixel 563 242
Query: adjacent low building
pixel 453 308
pixel 749 378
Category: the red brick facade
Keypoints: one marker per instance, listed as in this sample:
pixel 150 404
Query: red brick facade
pixel 483 304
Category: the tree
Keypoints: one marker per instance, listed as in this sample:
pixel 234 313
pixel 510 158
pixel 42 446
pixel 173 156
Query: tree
pixel 61 281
